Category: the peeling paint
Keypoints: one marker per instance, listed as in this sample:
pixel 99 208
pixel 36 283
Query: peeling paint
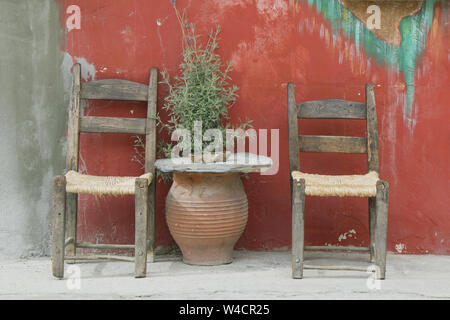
pixel 400 247
pixel 413 29
pixel 224 4
pixel 349 234
pixel 88 71
pixel 272 8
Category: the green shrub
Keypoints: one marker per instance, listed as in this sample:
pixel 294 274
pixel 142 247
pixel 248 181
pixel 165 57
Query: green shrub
pixel 201 92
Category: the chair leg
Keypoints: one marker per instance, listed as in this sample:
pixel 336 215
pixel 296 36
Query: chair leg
pixel 298 226
pixel 58 227
pixel 151 221
pixel 141 225
pixel 380 234
pixel 71 224
pixel 372 219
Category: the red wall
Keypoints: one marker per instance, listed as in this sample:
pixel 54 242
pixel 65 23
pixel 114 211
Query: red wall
pixel 122 38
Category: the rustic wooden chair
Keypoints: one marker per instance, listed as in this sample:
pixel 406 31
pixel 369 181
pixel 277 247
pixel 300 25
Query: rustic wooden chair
pixel 67 187
pixel 367 185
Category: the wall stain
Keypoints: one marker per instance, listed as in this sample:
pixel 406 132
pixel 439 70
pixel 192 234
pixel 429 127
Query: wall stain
pixel 389 15
pixel 413 29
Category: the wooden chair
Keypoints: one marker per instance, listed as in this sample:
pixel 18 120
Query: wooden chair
pixel 67 187
pixel 324 185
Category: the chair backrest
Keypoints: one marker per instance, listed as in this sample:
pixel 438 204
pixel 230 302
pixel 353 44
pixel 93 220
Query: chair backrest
pixel 333 109
pixel 111 89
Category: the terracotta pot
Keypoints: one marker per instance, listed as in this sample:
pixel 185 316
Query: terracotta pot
pixel 206 214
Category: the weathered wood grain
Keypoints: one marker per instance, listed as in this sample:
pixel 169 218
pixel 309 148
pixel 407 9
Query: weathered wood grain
pixel 380 233
pixel 373 160
pixel 294 157
pixel 71 222
pixel 73 138
pixel 112 125
pixel 332 109
pixel 58 226
pixel 337 248
pixel 73 129
pixel 141 215
pixel 100 257
pixel 332 144
pixel 114 89
pixel 298 227
pixel 343 268
pixel 104 245
pixel 372 224
pixel 150 158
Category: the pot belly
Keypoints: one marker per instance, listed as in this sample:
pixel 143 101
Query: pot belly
pixel 206 214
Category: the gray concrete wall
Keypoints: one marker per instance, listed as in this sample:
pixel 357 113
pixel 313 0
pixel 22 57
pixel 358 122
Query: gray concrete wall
pixel 32 123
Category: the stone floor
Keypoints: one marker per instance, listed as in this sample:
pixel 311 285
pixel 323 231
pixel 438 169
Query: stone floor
pixel 252 275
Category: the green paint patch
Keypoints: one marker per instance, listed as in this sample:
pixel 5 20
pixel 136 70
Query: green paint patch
pixel 413 29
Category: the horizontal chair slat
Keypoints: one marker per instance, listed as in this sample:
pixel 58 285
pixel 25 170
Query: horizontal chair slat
pixel 109 125
pixel 104 246
pixel 332 109
pixel 100 257
pixel 347 268
pixel 332 144
pixel 114 89
pixel 337 248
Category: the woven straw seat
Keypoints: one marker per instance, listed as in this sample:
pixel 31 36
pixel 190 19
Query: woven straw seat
pixel 340 186
pixel 99 185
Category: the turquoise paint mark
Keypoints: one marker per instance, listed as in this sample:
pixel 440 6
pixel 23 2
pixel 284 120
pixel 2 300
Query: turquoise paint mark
pixel 413 29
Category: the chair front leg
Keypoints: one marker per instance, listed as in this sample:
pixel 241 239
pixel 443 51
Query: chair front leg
pixel 58 226
pixel 372 220
pixel 71 224
pixel 141 225
pixel 380 234
pixel 298 226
